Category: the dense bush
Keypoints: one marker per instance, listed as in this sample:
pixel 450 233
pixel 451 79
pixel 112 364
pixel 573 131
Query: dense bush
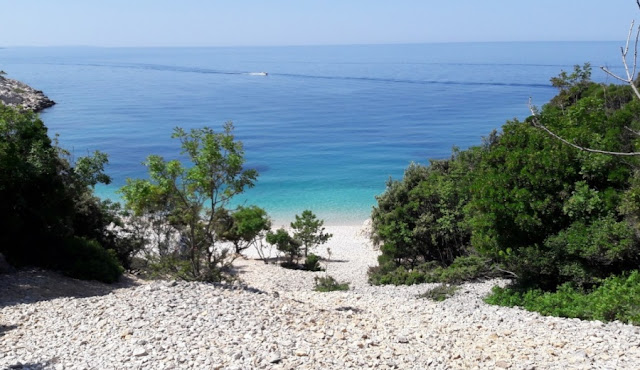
pixel 542 211
pixel 47 199
pixel 86 259
pixel 463 268
pixel 536 200
pixel 420 218
pixel 617 298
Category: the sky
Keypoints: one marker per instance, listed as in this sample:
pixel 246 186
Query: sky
pixel 308 22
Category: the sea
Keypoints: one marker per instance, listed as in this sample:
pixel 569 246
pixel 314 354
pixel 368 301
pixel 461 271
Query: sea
pixel 325 126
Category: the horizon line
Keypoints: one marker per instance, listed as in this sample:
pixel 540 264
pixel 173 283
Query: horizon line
pixel 302 45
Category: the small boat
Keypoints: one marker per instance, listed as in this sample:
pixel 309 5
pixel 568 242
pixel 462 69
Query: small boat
pixel 258 74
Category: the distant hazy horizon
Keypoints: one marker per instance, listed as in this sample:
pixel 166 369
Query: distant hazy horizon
pixel 201 23
pixel 310 45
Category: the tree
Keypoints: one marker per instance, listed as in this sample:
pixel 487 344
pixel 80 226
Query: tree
pixel 187 198
pixel 285 244
pixel 246 227
pixel 309 231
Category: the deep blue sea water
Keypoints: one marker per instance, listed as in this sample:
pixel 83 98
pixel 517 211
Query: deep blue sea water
pixel 326 128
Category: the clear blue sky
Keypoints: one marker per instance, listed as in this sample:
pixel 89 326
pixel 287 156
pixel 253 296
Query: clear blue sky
pixel 307 22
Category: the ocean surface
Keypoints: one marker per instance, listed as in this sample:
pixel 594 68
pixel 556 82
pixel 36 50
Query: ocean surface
pixel 326 128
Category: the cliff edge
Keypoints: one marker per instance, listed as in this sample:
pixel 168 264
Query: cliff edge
pixel 15 93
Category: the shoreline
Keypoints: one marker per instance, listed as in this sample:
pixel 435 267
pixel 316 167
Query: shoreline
pixel 14 93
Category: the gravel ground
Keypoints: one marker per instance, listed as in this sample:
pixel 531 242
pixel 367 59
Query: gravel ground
pixel 276 321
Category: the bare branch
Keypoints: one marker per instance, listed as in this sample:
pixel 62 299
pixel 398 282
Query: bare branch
pixel 632 131
pixel 607 71
pixel 537 123
pixel 635 53
pixel 509 272
pixel 624 51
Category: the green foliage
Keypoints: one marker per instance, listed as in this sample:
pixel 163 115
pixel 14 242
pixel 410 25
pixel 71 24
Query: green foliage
pixel 286 244
pixel 187 197
pixel 86 259
pixel 616 298
pixel 171 266
pixel 46 198
pixel 421 219
pixel 523 202
pixel 463 268
pixel 440 292
pixel 549 212
pixel 312 263
pixel 245 227
pixel 329 284
pixel 571 86
pixel 308 230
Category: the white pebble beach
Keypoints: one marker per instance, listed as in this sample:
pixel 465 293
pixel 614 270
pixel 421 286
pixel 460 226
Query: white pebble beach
pixel 275 320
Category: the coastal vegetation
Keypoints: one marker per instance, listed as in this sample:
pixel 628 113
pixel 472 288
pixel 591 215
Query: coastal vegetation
pixel 49 216
pixel 562 222
pixel 329 284
pixel 188 199
pixel 308 233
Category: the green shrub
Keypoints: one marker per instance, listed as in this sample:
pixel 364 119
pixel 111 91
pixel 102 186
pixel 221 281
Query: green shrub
pixel 440 292
pixel 86 259
pixel 466 268
pixel 553 214
pixel 47 202
pixel 312 263
pixel 420 218
pixel 616 298
pixel 463 268
pixel 285 244
pixel 245 227
pixel 328 284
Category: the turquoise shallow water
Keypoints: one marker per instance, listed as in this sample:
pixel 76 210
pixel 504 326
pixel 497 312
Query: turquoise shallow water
pixel 326 128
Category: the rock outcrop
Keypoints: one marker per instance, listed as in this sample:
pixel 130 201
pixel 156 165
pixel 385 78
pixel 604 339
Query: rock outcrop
pixel 17 94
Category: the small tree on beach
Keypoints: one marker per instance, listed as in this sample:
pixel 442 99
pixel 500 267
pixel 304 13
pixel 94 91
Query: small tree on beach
pixel 188 198
pixel 246 227
pixel 285 244
pixel 309 230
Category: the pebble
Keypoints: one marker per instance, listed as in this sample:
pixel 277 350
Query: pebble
pixel 176 325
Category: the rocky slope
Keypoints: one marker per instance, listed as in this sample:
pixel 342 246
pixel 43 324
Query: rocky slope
pixel 275 320
pixel 15 93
